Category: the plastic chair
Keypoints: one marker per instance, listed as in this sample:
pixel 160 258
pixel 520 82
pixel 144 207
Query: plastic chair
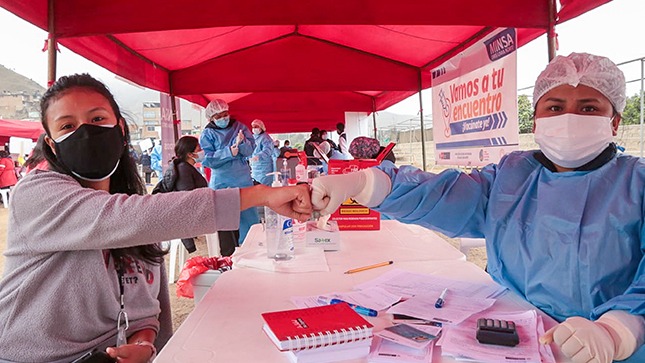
pixel 177 259
pixel 212 242
pixel 467 243
pixel 5 196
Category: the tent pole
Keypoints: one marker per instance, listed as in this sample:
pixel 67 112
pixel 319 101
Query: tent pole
pixel 423 131
pixel 51 44
pixel 374 117
pixel 550 34
pixel 175 122
pixel 173 109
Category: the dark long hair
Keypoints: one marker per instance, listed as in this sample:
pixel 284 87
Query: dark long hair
pixel 184 146
pixel 37 153
pixel 125 179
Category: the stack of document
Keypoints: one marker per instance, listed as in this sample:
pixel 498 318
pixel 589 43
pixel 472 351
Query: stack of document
pixel 404 343
pixel 408 284
pixel 458 341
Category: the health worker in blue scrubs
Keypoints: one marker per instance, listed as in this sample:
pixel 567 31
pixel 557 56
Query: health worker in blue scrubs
pixel 262 161
pixel 227 144
pixel 564 225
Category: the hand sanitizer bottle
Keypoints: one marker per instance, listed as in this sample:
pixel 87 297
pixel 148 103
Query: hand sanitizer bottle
pixel 286 172
pixel 279 230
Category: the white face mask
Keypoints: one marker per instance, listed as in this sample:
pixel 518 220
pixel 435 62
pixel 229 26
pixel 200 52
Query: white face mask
pixel 256 131
pixel 570 140
pixel 199 156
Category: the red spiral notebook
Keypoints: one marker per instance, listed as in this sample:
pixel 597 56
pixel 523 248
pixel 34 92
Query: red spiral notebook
pixel 315 327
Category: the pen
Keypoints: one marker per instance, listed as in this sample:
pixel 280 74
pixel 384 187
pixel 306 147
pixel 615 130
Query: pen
pixel 441 299
pixel 369 267
pixel 357 308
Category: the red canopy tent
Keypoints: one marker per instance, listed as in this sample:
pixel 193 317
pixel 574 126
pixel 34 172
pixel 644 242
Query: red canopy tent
pixel 16 128
pixel 352 55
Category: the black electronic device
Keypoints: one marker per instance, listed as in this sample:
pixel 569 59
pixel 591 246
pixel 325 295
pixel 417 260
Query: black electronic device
pixel 95 356
pixel 498 332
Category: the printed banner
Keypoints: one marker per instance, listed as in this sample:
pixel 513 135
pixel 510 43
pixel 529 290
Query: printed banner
pixel 167 128
pixel 474 103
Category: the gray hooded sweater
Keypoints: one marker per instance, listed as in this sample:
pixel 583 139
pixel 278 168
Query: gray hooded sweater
pixel 59 294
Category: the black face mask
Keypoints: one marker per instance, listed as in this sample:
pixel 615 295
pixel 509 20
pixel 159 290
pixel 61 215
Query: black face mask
pixel 91 152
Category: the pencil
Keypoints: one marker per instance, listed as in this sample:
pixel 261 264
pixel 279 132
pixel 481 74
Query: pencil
pixel 369 267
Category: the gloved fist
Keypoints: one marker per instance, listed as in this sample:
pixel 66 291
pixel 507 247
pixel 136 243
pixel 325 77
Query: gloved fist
pixel 582 340
pixel 368 187
pixel 329 192
pixel 234 150
pixel 614 336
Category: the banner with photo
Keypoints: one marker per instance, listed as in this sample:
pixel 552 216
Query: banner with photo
pixel 474 103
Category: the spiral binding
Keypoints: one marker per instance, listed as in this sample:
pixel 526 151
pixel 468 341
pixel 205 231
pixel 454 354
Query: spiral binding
pixel 317 340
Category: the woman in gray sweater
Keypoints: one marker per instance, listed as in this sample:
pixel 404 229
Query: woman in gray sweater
pixel 83 267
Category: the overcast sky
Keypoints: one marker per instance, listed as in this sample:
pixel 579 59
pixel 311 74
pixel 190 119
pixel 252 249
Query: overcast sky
pixel 613 30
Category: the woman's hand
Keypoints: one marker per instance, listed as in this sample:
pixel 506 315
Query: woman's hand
pixel 131 353
pixel 293 202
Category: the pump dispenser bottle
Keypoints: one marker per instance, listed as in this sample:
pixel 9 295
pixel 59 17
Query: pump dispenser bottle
pixel 279 230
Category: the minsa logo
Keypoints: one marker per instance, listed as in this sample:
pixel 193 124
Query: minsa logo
pixel 501 44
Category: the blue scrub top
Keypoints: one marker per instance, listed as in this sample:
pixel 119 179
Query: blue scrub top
pixel 228 171
pixel 265 164
pixel 570 243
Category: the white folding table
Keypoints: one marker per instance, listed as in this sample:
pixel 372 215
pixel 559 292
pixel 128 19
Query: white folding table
pixel 226 326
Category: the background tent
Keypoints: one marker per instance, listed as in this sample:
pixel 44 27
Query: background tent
pixel 193 49
pixel 24 129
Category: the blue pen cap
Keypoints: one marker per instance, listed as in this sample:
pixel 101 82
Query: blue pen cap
pixel 357 308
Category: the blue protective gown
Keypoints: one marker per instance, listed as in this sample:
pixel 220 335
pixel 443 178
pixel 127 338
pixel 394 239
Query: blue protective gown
pixel 570 243
pixel 265 164
pixel 155 160
pixel 230 171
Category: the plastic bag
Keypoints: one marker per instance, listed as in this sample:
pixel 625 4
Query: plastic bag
pixel 198 265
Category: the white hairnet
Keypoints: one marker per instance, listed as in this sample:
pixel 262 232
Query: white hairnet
pixel 258 123
pixel 216 106
pixel 593 71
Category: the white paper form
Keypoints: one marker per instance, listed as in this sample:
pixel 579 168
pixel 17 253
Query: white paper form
pixel 459 341
pixel 456 308
pixel 408 284
pixel 374 298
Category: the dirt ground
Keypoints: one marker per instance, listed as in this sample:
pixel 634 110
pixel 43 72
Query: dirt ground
pixel 181 307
